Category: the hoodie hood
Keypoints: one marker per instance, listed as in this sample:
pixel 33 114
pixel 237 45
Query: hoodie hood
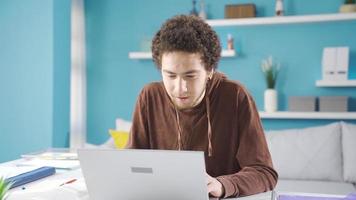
pixel 214 82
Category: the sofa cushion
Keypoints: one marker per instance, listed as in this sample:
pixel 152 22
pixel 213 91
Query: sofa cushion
pixel 349 151
pixel 308 154
pixel 123 125
pixel 321 187
pixel 120 138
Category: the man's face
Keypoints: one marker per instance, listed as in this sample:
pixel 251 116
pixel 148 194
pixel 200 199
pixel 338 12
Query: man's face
pixel 184 78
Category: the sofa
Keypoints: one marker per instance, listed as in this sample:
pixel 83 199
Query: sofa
pixel 319 159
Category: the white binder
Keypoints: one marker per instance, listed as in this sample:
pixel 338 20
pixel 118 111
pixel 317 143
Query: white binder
pixel 335 63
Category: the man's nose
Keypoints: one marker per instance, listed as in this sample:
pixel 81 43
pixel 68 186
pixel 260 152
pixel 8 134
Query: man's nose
pixel 181 86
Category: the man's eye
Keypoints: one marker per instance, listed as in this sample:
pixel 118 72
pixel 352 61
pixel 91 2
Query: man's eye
pixel 171 76
pixel 190 76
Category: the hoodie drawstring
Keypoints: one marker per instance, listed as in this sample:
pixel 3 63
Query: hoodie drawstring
pixel 179 131
pixel 210 147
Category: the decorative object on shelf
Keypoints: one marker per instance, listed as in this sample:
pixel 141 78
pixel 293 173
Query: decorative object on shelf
pixel 202 12
pixel 279 8
pixel 240 11
pixel 270 71
pixel 194 9
pixel 271 100
pixel 335 63
pixel 348 6
pixel 302 103
pixel 4 188
pixel 333 103
pixel 230 42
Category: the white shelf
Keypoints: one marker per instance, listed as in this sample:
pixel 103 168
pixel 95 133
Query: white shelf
pixel 228 53
pixel 308 115
pixel 148 55
pixel 283 19
pixel 140 55
pixel 327 83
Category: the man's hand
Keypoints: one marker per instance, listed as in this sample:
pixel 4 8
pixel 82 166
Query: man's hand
pixel 215 188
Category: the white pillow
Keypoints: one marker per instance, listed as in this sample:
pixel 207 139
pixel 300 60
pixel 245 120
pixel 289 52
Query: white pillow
pixel 123 125
pixel 308 154
pixel 349 151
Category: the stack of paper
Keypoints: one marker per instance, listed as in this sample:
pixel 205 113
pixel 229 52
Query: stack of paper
pixel 52 188
pixel 58 164
pixel 9 171
pixel 54 154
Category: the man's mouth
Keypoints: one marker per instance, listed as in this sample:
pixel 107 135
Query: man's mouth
pixel 182 98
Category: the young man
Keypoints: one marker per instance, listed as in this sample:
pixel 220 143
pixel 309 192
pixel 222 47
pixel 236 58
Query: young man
pixel 197 108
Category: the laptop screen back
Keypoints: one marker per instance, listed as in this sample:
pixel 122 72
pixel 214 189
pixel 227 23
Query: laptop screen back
pixel 144 174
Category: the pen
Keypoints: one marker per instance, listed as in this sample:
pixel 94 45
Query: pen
pixel 68 182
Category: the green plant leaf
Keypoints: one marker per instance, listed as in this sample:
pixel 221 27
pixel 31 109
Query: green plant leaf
pixel 4 188
pixel 270 70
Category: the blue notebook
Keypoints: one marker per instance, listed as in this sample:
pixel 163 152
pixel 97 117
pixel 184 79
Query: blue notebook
pixel 30 176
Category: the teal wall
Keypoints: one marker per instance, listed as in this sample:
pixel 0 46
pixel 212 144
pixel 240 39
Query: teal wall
pixel 61 79
pixel 33 76
pixel 116 27
pixel 35 63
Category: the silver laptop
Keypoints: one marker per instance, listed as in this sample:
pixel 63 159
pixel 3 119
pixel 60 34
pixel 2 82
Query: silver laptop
pixel 144 174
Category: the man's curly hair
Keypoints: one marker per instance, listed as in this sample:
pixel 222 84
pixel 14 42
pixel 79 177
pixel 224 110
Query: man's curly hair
pixel 187 33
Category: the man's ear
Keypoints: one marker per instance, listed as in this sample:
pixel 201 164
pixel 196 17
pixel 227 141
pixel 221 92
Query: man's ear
pixel 211 74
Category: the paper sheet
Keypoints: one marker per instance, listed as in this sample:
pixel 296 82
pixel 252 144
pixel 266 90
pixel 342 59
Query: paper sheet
pixel 59 164
pixel 6 171
pixel 50 189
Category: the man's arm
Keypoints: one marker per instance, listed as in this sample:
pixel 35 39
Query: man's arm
pixel 257 174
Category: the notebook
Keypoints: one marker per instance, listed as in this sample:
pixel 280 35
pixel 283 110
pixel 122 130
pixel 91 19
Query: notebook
pixel 144 174
pixel 30 176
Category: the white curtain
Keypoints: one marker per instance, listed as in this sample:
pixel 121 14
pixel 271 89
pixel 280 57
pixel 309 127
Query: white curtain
pixel 78 76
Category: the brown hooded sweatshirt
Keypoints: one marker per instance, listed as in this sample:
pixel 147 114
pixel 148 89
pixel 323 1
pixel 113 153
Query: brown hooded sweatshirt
pixel 239 157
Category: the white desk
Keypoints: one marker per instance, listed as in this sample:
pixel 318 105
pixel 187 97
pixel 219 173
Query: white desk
pixel 49 188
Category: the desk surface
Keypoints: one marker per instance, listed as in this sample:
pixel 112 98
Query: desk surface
pixel 49 187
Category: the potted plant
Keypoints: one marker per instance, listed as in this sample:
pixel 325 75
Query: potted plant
pixel 270 71
pixel 4 187
pixel 348 6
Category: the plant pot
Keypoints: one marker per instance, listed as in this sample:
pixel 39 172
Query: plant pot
pixel 270 100
pixel 347 8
